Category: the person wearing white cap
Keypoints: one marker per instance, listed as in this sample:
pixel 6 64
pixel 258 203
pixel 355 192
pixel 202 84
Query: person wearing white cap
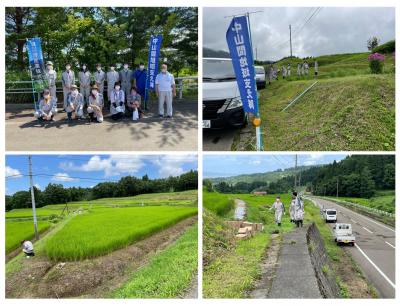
pixel 51 75
pixel 68 79
pixel 47 107
pixel 117 104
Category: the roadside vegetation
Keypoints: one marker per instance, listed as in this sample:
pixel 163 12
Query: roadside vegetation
pixel 168 274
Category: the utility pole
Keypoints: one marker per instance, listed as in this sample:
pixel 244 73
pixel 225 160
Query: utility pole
pixel 290 39
pixel 295 172
pixel 256 54
pixel 33 198
pixel 337 187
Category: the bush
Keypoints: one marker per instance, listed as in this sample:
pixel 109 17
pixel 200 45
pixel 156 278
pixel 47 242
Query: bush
pixel 376 62
pixel 388 47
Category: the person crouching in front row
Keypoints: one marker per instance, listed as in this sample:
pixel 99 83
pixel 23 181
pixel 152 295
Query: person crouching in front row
pixel 95 105
pixel 133 104
pixel 117 107
pixel 47 107
pixel 75 104
pixel 27 248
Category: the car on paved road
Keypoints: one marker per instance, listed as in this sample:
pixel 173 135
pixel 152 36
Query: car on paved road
pixel 330 215
pixel 343 234
pixel 260 76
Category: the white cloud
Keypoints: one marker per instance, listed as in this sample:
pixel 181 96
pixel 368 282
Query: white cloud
pixel 38 186
pixel 112 166
pixel 62 177
pixel 255 162
pixel 172 165
pixel 311 159
pixel 13 173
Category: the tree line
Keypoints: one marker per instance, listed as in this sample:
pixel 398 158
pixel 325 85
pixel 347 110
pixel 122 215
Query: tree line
pixel 101 35
pixel 125 187
pixel 354 176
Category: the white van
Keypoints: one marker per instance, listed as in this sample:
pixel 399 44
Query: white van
pixel 260 76
pixel 222 105
pixel 330 215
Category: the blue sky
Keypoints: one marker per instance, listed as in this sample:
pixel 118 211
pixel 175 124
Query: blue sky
pixel 230 165
pixel 70 170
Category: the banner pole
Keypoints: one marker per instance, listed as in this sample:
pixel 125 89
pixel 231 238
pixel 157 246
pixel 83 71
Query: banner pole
pixel 259 144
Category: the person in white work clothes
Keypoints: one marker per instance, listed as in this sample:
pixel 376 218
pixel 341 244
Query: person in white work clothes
pixel 27 248
pixel 165 91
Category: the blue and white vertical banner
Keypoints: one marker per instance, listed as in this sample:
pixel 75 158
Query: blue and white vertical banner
pixel 36 64
pixel 238 39
pixel 154 53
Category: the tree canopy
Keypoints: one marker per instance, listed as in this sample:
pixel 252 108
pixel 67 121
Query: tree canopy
pixel 102 35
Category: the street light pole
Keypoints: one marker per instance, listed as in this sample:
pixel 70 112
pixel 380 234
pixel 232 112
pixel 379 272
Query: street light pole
pixel 33 198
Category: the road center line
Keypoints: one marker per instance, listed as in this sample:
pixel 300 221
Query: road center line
pixel 367 230
pixel 376 267
pixel 354 221
pixel 390 245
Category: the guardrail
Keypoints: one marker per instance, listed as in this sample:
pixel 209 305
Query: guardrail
pixel 20 88
pixel 362 207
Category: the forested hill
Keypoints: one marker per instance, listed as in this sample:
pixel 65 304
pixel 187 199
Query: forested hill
pixel 356 176
pixel 266 177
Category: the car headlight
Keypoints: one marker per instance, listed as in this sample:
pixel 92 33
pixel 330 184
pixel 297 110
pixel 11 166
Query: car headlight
pixel 235 103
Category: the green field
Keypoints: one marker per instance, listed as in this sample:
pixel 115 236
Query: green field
pixel 348 109
pixel 21 230
pixel 168 274
pixel 104 230
pixel 385 202
pixel 220 204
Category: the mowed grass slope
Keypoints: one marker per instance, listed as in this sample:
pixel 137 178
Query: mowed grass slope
pixel 21 230
pixel 102 231
pixel 348 109
pixel 168 274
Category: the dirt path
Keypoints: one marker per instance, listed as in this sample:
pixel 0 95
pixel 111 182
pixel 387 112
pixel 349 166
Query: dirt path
pixel 192 291
pixel 268 269
pixel 95 278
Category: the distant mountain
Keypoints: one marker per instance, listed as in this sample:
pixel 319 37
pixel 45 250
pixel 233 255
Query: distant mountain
pixel 266 177
pixel 207 52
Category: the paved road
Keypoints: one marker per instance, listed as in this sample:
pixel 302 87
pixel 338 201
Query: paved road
pixel 218 140
pixel 374 250
pixel 24 133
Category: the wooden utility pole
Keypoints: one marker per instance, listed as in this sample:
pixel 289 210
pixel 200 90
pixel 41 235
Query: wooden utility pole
pixel 33 198
pixel 295 172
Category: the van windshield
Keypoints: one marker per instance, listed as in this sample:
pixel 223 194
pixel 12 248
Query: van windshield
pixel 217 70
pixel 331 212
pixel 259 70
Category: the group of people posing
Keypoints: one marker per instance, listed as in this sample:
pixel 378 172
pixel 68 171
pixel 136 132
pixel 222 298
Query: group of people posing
pixel 125 91
pixel 296 210
pixel 302 70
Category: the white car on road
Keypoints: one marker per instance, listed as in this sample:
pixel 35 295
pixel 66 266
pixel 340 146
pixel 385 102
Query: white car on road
pixel 343 233
pixel 260 76
pixel 330 215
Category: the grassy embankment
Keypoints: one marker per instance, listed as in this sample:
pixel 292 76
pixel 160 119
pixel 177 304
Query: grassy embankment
pixel 168 274
pixel 349 108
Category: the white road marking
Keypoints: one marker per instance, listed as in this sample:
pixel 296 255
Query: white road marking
pixel 376 267
pixel 390 245
pixel 354 221
pixel 367 230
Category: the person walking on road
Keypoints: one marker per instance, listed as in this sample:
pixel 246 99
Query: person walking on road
pixel 292 209
pixel 288 70
pixel 67 79
pixel 279 210
pixel 84 83
pixel 270 74
pixel 51 75
pixel 165 91
pixel 298 210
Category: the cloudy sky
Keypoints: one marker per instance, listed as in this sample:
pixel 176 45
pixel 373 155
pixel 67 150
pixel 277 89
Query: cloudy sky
pixel 230 165
pixel 329 31
pixel 89 170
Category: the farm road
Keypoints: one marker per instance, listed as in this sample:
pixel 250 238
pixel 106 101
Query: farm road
pixel 24 133
pixel 375 247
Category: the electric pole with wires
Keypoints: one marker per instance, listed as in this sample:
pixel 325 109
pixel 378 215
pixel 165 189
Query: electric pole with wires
pixel 290 39
pixel 33 198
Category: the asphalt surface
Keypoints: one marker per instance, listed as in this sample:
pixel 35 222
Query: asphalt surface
pixel 375 247
pixel 295 276
pixel 25 133
pixel 218 140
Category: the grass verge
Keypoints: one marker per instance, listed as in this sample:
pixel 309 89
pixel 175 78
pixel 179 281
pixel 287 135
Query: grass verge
pixel 168 274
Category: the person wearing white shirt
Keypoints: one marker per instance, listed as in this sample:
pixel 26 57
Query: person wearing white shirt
pixel 27 248
pixel 165 90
